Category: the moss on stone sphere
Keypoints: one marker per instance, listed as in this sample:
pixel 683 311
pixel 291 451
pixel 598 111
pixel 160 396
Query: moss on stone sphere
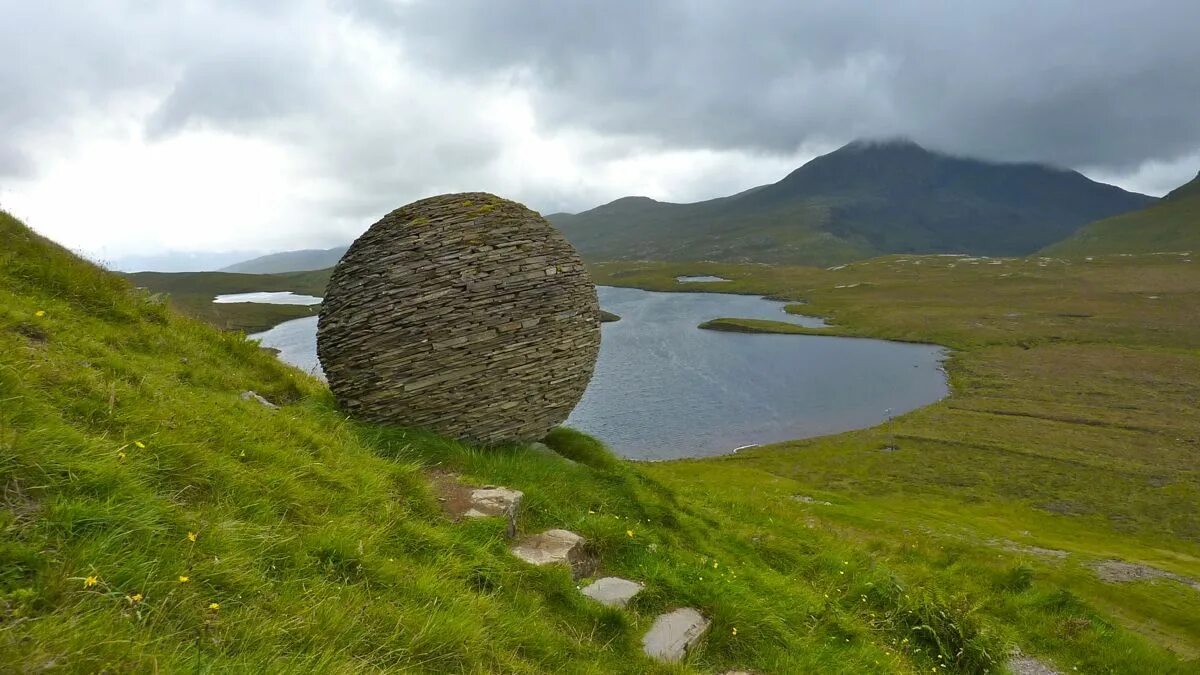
pixel 465 314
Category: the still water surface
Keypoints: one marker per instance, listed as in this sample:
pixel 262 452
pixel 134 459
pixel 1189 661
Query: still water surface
pixel 665 389
pixel 269 298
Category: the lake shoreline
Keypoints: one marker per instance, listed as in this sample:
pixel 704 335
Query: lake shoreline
pixel 663 389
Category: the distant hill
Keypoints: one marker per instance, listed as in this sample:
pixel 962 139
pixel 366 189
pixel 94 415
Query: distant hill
pixel 177 261
pixel 1171 224
pixel 290 261
pixel 864 199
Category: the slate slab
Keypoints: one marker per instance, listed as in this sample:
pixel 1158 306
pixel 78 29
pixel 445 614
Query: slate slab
pixel 674 633
pixel 556 547
pixel 612 591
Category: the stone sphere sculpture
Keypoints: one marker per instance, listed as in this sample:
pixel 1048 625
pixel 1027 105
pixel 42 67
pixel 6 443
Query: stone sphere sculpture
pixel 465 314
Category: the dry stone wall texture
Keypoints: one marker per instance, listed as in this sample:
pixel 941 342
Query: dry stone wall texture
pixel 465 314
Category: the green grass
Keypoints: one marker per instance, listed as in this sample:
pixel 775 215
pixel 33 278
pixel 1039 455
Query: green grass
pixel 1172 224
pixel 639 228
pixel 1071 425
pixel 122 431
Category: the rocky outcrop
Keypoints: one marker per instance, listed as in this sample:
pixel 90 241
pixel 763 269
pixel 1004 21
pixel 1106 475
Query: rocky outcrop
pixel 465 314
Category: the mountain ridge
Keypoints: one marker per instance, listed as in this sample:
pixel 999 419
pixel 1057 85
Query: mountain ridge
pixel 870 197
pixel 302 260
pixel 866 198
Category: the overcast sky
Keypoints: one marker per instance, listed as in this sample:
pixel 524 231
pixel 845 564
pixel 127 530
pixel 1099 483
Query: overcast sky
pixel 140 127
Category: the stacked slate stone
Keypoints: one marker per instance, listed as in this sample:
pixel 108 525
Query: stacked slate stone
pixel 465 314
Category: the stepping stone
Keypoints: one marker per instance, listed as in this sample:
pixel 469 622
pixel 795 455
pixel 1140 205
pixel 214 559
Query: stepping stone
pixel 496 501
pixel 465 501
pixel 673 634
pixel 612 591
pixel 555 547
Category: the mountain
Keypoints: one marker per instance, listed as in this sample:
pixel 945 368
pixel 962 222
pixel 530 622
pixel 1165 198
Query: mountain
pixel 290 261
pixel 1171 224
pixel 177 261
pixel 866 198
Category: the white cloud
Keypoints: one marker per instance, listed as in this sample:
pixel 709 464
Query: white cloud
pixel 1153 177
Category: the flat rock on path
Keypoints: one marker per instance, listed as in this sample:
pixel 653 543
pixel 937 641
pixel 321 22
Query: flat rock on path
pixel 493 501
pixel 612 591
pixel 496 501
pixel 1027 665
pixel 674 633
pixel 556 547
pixel 465 501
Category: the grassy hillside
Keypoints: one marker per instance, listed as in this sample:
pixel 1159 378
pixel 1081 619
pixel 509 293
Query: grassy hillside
pixel 859 201
pixel 1172 224
pixel 152 520
pixel 192 293
pixel 640 228
pixel 1071 433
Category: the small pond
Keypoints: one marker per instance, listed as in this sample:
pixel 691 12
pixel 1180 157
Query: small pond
pixel 277 298
pixel 699 279
pixel 664 389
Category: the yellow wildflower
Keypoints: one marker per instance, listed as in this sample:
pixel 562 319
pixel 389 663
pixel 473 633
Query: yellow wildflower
pixel 214 606
pixel 90 581
pixel 40 313
pixel 140 444
pixel 629 532
pixel 192 536
pixel 120 455
pixel 714 564
pixel 134 599
pixel 734 631
pixel 184 579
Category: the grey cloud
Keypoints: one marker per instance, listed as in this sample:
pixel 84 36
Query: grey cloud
pixel 1096 82
pixel 14 162
pixel 1099 84
pixel 234 89
pixel 272 71
pixel 61 59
